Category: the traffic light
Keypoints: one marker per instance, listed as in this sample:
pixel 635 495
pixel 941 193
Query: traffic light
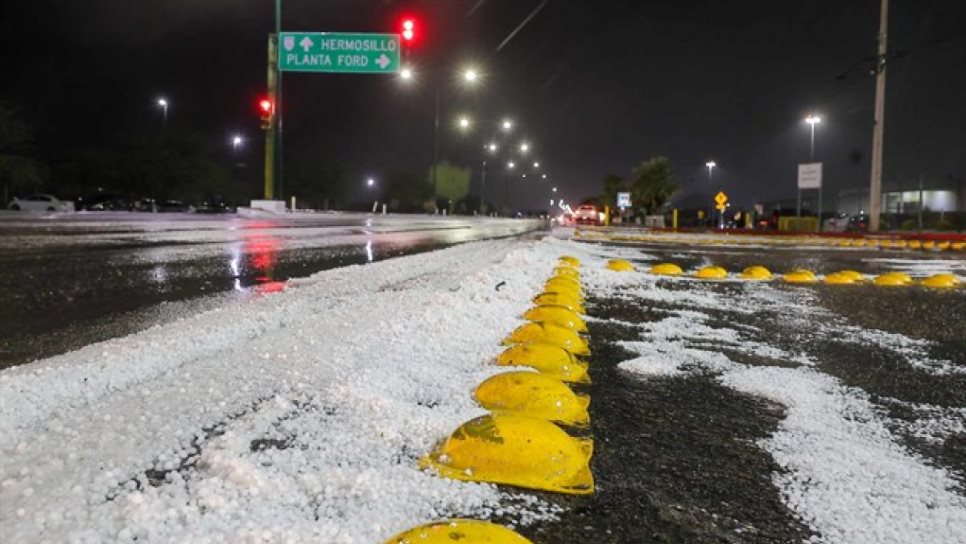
pixel 266 109
pixel 408 31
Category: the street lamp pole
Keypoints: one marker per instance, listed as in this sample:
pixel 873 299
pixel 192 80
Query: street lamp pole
pixel 812 120
pixel 711 165
pixel 875 183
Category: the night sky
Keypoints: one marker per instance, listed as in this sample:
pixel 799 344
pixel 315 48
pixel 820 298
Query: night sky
pixel 597 86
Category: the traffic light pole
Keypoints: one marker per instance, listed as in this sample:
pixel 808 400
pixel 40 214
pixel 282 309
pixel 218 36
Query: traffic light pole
pixel 277 105
pixel 270 133
pixel 875 183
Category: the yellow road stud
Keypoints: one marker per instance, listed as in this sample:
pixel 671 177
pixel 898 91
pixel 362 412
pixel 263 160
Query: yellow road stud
pixel 572 261
pixel 567 272
pixel 554 361
pixel 839 278
pixel 533 394
pixel 552 334
pixel 915 244
pixel 929 244
pixel 893 279
pixel 556 315
pixel 711 273
pixel 666 269
pixel 800 276
pixel 756 272
pixel 854 274
pixel 460 531
pixel 560 299
pixel 941 281
pixel 958 246
pixel 942 246
pixel 901 244
pixel 620 265
pixel 515 450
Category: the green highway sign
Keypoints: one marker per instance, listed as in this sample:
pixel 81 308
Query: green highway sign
pixel 338 52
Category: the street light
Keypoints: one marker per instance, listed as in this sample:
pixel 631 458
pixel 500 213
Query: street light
pixel 237 141
pixel 370 182
pixel 524 147
pixel 544 176
pixel 536 165
pixel 163 103
pixel 491 147
pixel 506 125
pixel 406 73
pixel 812 120
pixel 464 123
pixel 711 166
pixel 554 190
pixel 511 165
pixel 470 75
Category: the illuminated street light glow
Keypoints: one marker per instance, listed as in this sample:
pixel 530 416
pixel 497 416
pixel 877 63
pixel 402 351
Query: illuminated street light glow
pixel 507 125
pixel 536 165
pixel 710 164
pixel 470 75
pixel 492 147
pixel 406 74
pixel 524 175
pixel 813 119
pixel 554 189
pixel 511 165
pixel 370 182
pixel 544 176
pixel 162 102
pixel 237 141
pixel 464 123
pixel 524 147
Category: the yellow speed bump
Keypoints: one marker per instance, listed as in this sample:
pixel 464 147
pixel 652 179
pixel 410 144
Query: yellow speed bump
pixel 800 276
pixel 914 244
pixel 958 246
pixel 756 272
pixel 666 269
pixel 551 334
pixel 711 273
pixel 558 283
pixel 534 395
pixel 893 279
pixel 515 450
pixel 942 246
pixel 840 278
pixel 941 281
pixel 566 272
pixel 929 244
pixel 554 361
pixel 461 531
pixel 560 299
pixel 556 315
pixel 620 265
pixel 572 261
pixel 854 274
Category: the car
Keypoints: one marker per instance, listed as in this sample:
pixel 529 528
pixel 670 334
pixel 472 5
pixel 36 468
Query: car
pixel 105 202
pixel 171 205
pixel 41 203
pixel 837 223
pixel 587 214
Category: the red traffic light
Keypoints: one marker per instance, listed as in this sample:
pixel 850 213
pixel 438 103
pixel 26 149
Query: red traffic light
pixel 265 106
pixel 408 29
pixel 266 110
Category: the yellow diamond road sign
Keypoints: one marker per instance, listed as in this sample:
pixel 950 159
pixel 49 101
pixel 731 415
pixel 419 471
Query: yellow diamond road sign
pixel 721 198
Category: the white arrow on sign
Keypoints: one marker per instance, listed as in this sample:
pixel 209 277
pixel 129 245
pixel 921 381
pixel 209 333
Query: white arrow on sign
pixel 306 44
pixel 383 61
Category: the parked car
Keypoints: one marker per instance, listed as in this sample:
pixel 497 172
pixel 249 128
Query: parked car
pixel 215 206
pixel 837 223
pixel 41 203
pixel 105 202
pixel 587 214
pixel 171 206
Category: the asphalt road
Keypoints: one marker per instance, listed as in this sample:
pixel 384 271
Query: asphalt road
pixel 68 280
pixel 676 458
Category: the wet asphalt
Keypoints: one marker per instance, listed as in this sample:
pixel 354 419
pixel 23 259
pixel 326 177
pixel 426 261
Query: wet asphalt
pixel 69 280
pixel 676 459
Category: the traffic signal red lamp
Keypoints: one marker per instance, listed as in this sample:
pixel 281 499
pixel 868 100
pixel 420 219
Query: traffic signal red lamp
pixel 408 30
pixel 266 109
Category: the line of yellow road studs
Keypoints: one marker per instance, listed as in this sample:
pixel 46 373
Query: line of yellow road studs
pixel 816 241
pixel 521 442
pixel 760 273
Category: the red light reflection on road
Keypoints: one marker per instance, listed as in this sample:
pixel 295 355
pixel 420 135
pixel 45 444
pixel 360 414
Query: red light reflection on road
pixel 262 252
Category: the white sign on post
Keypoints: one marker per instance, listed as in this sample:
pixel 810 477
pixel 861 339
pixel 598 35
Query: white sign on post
pixel 810 175
pixel 623 200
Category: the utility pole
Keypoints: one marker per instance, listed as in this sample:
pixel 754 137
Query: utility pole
pixel 875 184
